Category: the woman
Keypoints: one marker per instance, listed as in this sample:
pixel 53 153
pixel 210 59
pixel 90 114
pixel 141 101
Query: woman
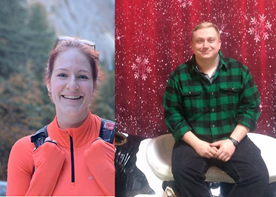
pixel 73 160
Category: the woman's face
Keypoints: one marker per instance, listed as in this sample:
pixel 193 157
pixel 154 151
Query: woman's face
pixel 71 83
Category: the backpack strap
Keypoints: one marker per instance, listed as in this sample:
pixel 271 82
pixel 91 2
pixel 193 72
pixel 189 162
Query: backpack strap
pixel 107 131
pixel 39 137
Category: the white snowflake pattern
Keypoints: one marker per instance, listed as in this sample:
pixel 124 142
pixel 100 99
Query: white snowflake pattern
pixel 268 25
pixel 260 28
pixel 141 68
pixel 118 37
pixel 185 3
pixel 223 24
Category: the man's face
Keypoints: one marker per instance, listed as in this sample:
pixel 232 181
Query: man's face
pixel 205 44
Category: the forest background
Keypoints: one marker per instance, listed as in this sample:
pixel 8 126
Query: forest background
pixel 28 31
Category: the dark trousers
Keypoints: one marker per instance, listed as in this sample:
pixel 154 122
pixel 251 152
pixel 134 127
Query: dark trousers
pixel 246 167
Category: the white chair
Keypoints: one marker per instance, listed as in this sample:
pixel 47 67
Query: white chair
pixel 159 153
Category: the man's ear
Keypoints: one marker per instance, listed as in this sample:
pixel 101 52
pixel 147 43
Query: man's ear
pixel 191 46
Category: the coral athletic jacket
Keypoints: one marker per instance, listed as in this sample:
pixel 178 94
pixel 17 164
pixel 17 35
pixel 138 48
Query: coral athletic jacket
pixel 80 164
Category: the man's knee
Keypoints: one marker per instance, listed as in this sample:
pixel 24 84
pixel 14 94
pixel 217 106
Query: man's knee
pixel 180 169
pixel 189 170
pixel 258 176
pixel 262 176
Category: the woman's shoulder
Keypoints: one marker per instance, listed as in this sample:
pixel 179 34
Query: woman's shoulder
pixel 25 139
pixel 95 119
pixel 21 163
pixel 99 119
pixel 24 144
pixel 21 155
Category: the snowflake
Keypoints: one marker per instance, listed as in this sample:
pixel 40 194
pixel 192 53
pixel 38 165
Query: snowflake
pixel 262 18
pixel 118 37
pixel 268 25
pixel 185 3
pixel 141 68
pixel 223 24
pixel 259 28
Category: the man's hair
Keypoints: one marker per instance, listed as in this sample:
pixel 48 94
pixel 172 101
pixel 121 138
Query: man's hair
pixel 204 25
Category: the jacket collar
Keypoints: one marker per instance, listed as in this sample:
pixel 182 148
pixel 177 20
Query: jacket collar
pixel 88 131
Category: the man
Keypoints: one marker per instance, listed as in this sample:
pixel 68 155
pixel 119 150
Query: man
pixel 210 104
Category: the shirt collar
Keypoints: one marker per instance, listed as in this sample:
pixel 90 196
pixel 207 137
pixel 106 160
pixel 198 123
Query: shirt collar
pixel 89 130
pixel 222 60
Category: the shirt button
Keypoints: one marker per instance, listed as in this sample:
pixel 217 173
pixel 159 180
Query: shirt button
pixel 213 109
pixel 213 125
pixel 190 93
pixel 233 88
pixel 212 93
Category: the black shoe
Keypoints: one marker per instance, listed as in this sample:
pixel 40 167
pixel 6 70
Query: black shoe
pixel 170 188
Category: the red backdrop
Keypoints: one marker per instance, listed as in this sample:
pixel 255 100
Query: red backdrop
pixel 153 38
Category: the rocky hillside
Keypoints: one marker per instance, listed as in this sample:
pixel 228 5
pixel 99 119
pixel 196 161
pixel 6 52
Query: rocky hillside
pixel 87 19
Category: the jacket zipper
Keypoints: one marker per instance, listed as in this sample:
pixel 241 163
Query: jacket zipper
pixel 72 160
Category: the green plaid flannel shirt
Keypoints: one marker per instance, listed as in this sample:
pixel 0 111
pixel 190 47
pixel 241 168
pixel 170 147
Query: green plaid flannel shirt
pixel 210 110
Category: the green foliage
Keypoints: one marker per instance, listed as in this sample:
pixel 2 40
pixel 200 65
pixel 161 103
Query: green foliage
pixel 104 102
pixel 25 42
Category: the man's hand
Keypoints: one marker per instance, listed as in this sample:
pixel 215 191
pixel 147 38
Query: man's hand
pixel 201 147
pixel 204 149
pixel 225 148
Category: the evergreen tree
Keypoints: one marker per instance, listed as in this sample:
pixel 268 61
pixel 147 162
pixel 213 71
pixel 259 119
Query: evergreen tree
pixel 25 42
pixel 103 103
pixel 40 38
pixel 13 16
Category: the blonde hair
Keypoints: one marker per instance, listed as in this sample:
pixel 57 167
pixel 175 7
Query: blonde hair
pixel 205 25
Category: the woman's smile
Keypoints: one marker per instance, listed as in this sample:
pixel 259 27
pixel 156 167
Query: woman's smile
pixel 71 97
pixel 71 84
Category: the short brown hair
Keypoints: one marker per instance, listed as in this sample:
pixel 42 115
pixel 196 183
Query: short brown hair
pixel 205 25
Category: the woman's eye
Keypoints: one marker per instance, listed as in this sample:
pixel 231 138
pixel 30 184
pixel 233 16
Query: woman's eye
pixel 83 77
pixel 62 75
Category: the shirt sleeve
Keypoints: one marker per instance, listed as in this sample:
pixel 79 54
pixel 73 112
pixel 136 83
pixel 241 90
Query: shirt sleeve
pixel 173 110
pixel 249 111
pixel 100 161
pixel 20 168
pixel 33 173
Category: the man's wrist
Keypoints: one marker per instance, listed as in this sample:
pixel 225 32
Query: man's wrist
pixel 235 142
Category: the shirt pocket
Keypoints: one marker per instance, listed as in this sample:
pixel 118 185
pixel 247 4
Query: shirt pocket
pixel 192 100
pixel 229 96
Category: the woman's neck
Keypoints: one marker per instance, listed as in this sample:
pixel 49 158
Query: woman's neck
pixel 71 121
